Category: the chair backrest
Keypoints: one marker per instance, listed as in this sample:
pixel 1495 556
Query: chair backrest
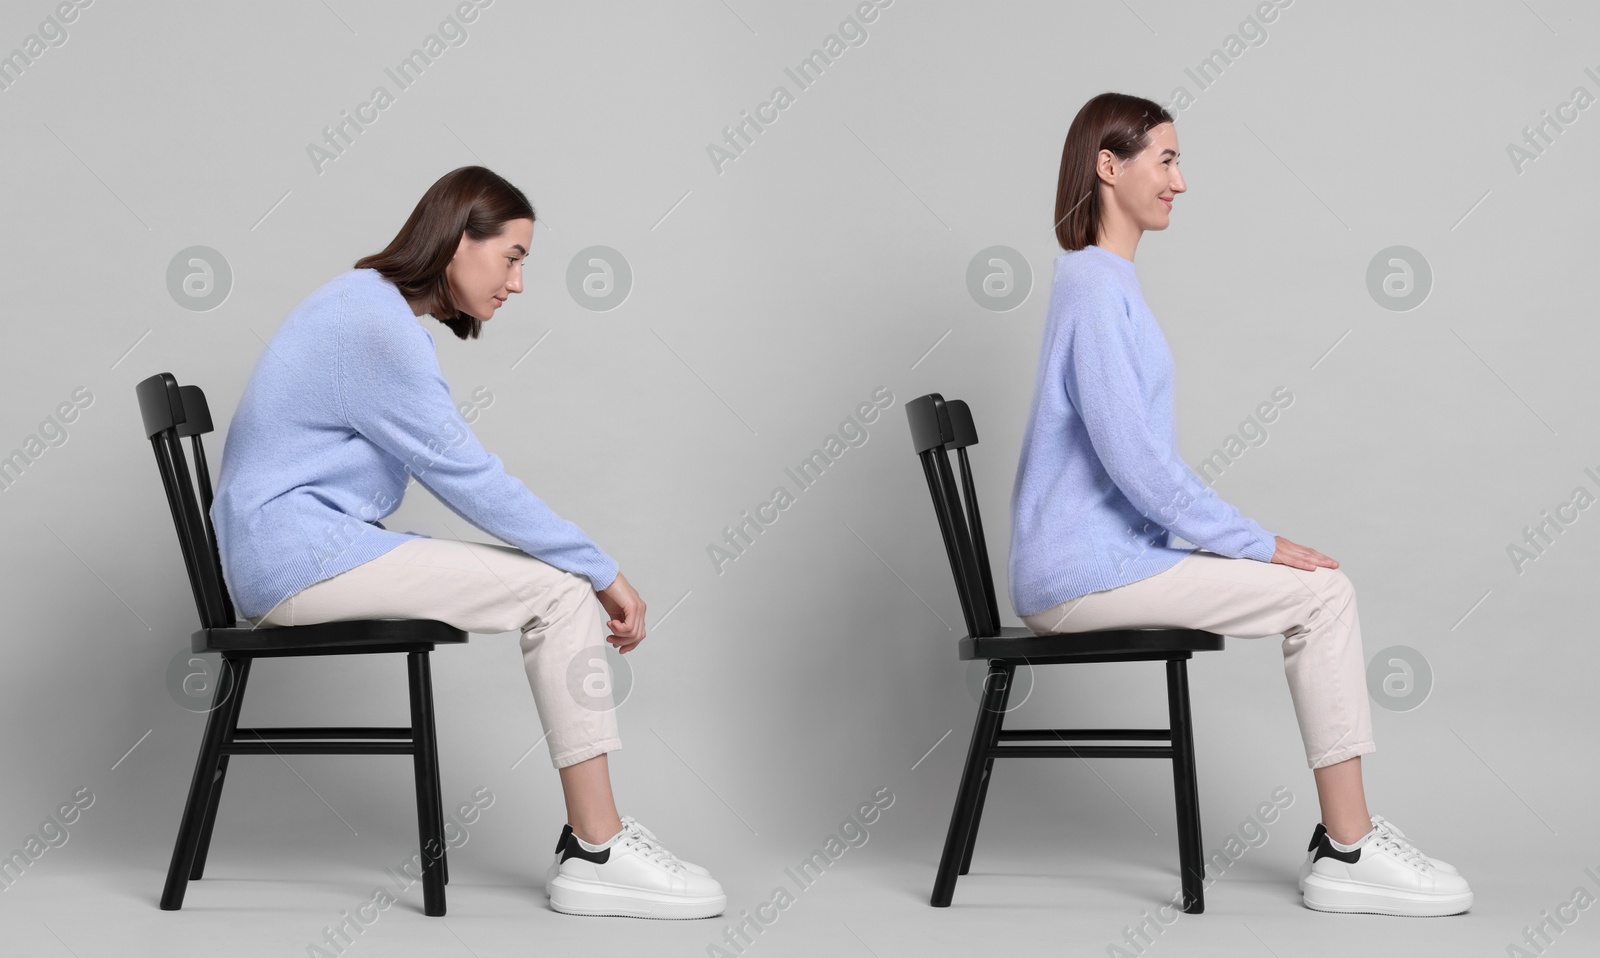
pixel 170 413
pixel 937 426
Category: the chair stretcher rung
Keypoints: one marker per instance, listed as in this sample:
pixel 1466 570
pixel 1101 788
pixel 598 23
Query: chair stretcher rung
pixel 1081 751
pixel 323 732
pixel 1110 734
pixel 318 748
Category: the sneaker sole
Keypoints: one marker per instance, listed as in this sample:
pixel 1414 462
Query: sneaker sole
pixel 553 871
pixel 1300 883
pixel 576 897
pixel 1321 894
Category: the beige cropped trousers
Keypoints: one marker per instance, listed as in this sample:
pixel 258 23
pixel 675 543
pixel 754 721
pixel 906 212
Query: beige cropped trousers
pixel 484 588
pixel 1315 612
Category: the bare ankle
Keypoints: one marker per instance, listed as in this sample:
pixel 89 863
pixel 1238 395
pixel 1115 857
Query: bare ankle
pixel 1342 833
pixel 596 832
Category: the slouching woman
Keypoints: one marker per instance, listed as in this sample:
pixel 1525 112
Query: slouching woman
pixel 346 406
pixel 1101 493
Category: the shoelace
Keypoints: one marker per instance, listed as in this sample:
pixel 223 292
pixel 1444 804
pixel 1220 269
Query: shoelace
pixel 1391 837
pixel 645 832
pixel 1378 821
pixel 648 844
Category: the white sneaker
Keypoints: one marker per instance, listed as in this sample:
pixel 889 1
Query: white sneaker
pixel 1377 822
pixel 1383 874
pixel 633 875
pixel 566 836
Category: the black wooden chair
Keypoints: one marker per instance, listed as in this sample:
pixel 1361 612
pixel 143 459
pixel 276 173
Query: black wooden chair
pixel 937 426
pixel 170 413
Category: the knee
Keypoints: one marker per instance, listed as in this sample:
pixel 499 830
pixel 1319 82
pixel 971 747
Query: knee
pixel 1333 589
pixel 1338 581
pixel 571 583
pixel 576 590
pixel 564 596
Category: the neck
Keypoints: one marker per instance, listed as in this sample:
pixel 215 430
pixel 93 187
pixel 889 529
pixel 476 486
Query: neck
pixel 1123 242
pixel 1117 232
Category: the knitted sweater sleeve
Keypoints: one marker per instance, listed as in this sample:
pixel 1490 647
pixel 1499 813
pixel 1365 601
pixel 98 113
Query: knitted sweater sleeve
pixel 1103 384
pixel 391 390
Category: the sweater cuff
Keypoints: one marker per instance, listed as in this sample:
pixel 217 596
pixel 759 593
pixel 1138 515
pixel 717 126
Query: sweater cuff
pixel 1264 549
pixel 604 574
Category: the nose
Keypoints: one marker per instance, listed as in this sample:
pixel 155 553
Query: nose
pixel 515 283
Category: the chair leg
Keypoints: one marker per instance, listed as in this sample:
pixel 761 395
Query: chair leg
pixel 983 790
pixel 429 832
pixel 235 703
pixel 1191 860
pixel 200 789
pixel 977 817
pixel 985 733
pixel 433 747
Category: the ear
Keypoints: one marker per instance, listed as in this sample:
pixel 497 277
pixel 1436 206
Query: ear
pixel 1107 167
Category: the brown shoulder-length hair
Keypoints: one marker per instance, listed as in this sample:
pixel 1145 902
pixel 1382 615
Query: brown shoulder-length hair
pixel 1110 121
pixel 469 199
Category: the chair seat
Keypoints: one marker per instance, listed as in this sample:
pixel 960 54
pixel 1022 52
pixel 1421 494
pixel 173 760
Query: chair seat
pixel 354 635
pixel 1104 645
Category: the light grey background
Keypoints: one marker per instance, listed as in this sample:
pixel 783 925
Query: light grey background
pixel 768 302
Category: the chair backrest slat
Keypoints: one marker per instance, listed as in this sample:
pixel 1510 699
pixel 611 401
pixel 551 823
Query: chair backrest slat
pixel 171 412
pixel 938 426
pixel 197 416
pixel 971 492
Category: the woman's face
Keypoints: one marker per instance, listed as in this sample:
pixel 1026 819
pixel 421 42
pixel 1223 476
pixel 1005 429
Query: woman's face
pixel 483 273
pixel 1145 184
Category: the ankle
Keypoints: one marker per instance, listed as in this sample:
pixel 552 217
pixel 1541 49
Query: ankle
pixel 1344 833
pixel 596 831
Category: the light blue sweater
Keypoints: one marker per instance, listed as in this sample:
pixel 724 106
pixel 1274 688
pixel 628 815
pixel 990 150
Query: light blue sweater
pixel 344 407
pixel 1099 454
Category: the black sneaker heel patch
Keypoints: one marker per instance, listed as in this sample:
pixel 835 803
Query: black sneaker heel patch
pixel 575 849
pixel 566 832
pixel 1316 836
pixel 1325 849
